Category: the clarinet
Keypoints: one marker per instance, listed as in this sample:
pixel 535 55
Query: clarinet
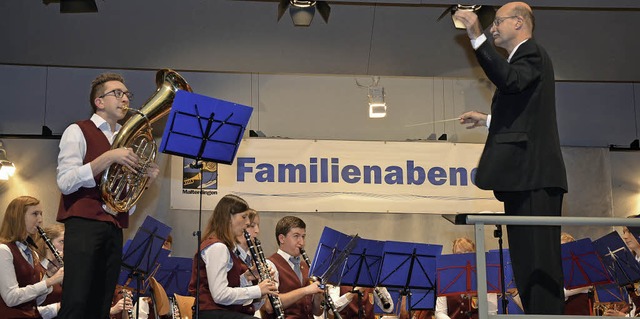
pixel 52 248
pixel 173 308
pixel 125 295
pixel 327 297
pixel 263 270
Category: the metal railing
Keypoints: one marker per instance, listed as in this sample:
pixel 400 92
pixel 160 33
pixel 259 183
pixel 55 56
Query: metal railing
pixel 480 220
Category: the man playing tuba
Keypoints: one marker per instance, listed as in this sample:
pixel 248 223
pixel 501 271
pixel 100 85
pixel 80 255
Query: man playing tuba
pixel 93 235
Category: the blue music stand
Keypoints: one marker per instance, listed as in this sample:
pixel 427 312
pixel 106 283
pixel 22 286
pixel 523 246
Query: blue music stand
pixel 410 266
pixel 512 307
pixel 204 128
pixel 330 245
pixel 174 275
pixel 610 293
pixel 363 264
pixel 617 259
pixel 142 253
pixel 582 266
pixel 457 274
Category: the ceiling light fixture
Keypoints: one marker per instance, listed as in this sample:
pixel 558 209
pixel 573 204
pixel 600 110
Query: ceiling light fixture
pixel 74 6
pixel 302 11
pixel 376 94
pixel 486 14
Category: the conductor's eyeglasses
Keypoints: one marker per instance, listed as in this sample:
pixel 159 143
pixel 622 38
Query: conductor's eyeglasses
pixel 118 94
pixel 497 21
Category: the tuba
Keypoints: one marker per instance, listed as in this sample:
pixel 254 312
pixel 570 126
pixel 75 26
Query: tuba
pixel 120 187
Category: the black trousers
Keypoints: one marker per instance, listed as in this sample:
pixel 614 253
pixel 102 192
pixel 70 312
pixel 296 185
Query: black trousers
pixel 535 251
pixel 92 258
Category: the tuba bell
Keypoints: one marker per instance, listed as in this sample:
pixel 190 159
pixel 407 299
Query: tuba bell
pixel 120 187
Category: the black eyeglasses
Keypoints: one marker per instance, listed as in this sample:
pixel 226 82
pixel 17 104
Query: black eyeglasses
pixel 497 21
pixel 118 94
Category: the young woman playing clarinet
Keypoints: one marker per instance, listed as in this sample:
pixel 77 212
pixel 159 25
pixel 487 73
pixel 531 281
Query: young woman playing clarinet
pixel 23 287
pixel 222 292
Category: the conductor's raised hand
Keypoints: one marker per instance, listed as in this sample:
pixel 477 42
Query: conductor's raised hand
pixel 470 21
pixel 477 119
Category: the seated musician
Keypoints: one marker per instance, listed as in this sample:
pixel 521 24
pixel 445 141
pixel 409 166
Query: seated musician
pixel 353 303
pixel 463 306
pixel 222 293
pixel 23 287
pixel 299 297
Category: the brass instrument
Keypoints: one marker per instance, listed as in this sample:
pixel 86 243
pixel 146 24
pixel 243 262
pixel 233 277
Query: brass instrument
pixel 263 271
pixel 599 308
pixel 120 187
pixel 52 248
pixel 327 298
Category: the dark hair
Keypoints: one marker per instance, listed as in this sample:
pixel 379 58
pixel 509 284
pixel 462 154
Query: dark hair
pixel 97 86
pixel 285 224
pixel 220 221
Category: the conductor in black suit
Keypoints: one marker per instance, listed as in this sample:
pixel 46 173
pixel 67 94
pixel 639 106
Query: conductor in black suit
pixel 522 162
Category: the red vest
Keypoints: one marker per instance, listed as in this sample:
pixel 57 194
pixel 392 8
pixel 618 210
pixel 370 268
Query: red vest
pixel 351 310
pixel 87 202
pixel 578 305
pixel 462 306
pixel 206 301
pixel 289 281
pixel 26 275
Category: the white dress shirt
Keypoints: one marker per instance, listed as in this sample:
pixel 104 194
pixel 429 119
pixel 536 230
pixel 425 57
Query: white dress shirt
pixel 14 295
pixel 72 174
pixel 218 262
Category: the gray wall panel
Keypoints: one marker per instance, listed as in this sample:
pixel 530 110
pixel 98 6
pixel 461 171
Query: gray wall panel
pixel 23 93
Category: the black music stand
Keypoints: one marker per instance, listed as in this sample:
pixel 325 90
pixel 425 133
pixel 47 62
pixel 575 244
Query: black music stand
pixel 410 266
pixel 582 266
pixel 204 128
pixel 617 259
pixel 174 275
pixel 363 267
pixel 142 253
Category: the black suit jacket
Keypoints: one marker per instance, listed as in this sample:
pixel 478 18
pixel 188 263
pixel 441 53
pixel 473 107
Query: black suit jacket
pixel 522 151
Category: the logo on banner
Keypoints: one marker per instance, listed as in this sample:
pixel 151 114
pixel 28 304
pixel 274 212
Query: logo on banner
pixel 193 179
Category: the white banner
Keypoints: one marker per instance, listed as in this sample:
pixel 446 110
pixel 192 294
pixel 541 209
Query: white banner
pixel 339 176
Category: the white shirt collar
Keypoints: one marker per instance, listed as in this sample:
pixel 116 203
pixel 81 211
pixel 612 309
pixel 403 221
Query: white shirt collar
pixel 102 124
pixel 284 255
pixel 515 49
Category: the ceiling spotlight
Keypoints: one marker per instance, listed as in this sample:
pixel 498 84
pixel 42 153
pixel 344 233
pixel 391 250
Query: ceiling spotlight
pixel 302 11
pixel 7 169
pixel 486 14
pixel 74 6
